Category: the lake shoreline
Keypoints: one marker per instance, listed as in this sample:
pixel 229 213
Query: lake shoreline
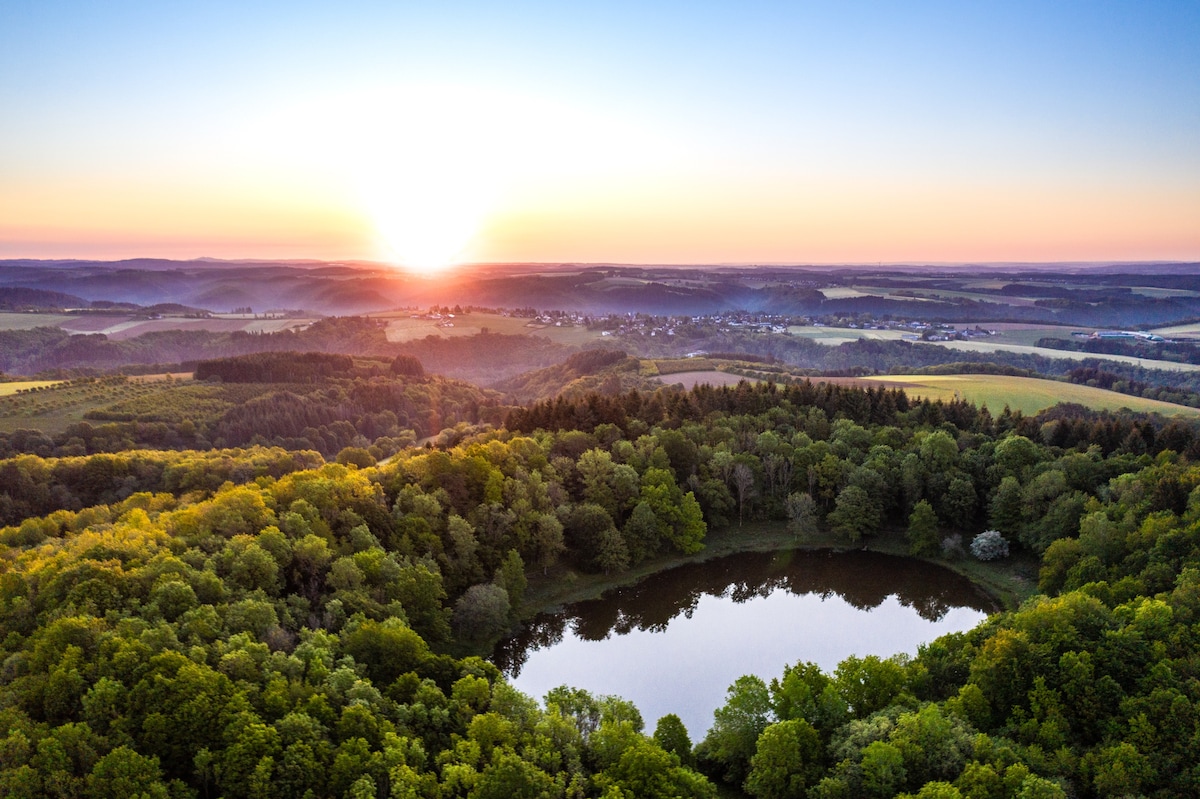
pixel 1008 583
pixel 732 613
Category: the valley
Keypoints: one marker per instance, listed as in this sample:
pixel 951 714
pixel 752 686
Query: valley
pixel 328 522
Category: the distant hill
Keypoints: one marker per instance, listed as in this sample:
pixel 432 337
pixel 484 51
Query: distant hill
pixel 173 308
pixel 15 298
pixel 1113 296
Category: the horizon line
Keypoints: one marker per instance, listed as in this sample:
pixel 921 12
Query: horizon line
pixel 567 264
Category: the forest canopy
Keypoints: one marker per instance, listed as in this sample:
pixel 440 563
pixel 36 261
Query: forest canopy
pixel 264 623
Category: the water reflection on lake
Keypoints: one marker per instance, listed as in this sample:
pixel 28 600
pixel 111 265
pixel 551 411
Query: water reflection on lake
pixel 674 642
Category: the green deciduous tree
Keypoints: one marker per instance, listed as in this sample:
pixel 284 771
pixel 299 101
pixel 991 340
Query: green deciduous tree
pixel 787 758
pixel 882 770
pixel 736 726
pixel 868 684
pixel 482 613
pixel 123 773
pixel 387 649
pixel 806 692
pixel 672 736
pixel 923 538
pixel 802 514
pixel 855 514
pixel 510 576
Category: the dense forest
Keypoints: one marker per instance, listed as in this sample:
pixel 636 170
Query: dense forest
pixel 263 623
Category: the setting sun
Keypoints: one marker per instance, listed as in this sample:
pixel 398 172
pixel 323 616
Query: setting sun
pixel 431 169
pixel 424 173
pixel 425 224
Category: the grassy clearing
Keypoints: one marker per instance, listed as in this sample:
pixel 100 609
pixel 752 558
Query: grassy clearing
pixel 1026 394
pixel 28 321
pixel 1009 582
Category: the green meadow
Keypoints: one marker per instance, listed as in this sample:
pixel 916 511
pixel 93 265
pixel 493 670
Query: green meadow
pixel 1026 394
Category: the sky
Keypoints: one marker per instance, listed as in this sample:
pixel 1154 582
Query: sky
pixel 431 133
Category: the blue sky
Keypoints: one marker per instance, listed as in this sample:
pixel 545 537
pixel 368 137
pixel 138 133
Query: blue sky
pixel 799 132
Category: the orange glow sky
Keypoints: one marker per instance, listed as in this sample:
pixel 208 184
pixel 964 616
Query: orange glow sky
pixel 820 133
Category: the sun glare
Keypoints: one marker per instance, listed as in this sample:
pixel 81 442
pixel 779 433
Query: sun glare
pixel 425 175
pixel 425 223
pixel 432 168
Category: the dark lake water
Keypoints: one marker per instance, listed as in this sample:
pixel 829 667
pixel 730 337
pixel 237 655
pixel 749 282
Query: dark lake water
pixel 674 642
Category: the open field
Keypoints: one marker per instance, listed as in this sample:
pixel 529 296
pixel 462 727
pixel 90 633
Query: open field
pixel 28 321
pixel 934 290
pixel 52 410
pixel 992 345
pixel 666 366
pixel 7 389
pixel 1017 338
pixel 834 336
pixel 1015 301
pixel 403 327
pixel 713 378
pixel 123 326
pixel 1021 333
pixel 1026 394
pixel 1028 334
pixel 886 292
pixel 619 282
pixel 1152 291
pixel 1191 331
pixel 177 376
pixel 843 293
pixel 119 328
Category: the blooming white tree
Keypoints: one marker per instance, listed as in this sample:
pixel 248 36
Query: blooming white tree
pixel 989 545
